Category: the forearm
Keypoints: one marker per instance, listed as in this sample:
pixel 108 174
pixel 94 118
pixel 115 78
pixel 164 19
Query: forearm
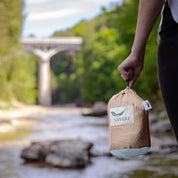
pixel 148 13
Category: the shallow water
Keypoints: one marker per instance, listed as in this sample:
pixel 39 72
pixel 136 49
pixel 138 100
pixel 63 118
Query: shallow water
pixel 100 167
pixel 86 128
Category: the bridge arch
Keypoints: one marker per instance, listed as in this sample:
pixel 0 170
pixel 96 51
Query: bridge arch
pixel 45 48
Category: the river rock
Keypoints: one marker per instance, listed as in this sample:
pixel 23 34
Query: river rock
pixel 169 148
pixel 99 108
pixel 61 153
pixel 163 114
pixel 69 154
pixel 5 121
pixel 163 145
pixel 36 152
pixel 164 150
pixel 152 119
pixel 161 127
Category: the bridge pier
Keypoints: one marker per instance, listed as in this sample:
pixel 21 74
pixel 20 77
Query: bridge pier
pixel 45 48
pixel 44 89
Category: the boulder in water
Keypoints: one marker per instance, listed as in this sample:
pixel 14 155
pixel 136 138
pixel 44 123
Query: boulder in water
pixel 161 127
pixel 36 152
pixel 62 153
pixel 99 108
pixel 69 154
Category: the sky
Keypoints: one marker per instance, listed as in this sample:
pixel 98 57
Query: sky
pixel 43 17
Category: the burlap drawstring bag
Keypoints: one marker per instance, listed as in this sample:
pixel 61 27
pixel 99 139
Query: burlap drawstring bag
pixel 128 124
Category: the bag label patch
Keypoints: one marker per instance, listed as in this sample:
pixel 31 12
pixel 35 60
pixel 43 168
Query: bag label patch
pixel 147 105
pixel 121 115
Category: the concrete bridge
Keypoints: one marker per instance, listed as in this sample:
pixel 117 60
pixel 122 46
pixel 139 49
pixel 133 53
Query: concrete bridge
pixel 45 48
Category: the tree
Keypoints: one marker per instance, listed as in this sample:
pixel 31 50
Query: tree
pixel 17 76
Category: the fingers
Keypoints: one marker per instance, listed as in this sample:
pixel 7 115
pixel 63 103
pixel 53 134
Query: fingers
pixel 131 83
pixel 130 68
pixel 135 76
pixel 126 74
pixel 132 74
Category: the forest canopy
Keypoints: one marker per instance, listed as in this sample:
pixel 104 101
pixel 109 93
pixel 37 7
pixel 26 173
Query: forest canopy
pixel 107 42
pixel 92 73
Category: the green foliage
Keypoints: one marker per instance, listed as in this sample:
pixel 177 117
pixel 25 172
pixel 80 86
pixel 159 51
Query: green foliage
pixel 149 77
pixel 17 76
pixel 107 41
pixel 111 44
pixel 97 65
pixel 68 87
pixel 16 79
pixel 124 20
pixel 64 83
pixel 23 82
pixel 10 25
pixel 62 62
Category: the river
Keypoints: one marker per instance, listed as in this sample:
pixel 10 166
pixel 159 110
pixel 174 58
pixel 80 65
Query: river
pixel 72 126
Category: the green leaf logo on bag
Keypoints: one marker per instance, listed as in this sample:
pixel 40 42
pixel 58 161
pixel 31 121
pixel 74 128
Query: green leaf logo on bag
pixel 122 115
pixel 119 114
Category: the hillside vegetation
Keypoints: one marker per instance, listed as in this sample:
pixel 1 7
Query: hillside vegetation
pixel 107 42
pixel 17 68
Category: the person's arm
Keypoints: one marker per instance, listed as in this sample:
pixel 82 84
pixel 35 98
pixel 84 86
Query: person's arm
pixel 148 13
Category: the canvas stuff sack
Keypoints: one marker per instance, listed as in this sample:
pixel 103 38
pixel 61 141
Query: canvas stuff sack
pixel 128 124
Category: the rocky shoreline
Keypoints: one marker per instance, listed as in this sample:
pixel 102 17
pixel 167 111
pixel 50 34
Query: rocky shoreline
pixel 15 118
pixel 77 153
